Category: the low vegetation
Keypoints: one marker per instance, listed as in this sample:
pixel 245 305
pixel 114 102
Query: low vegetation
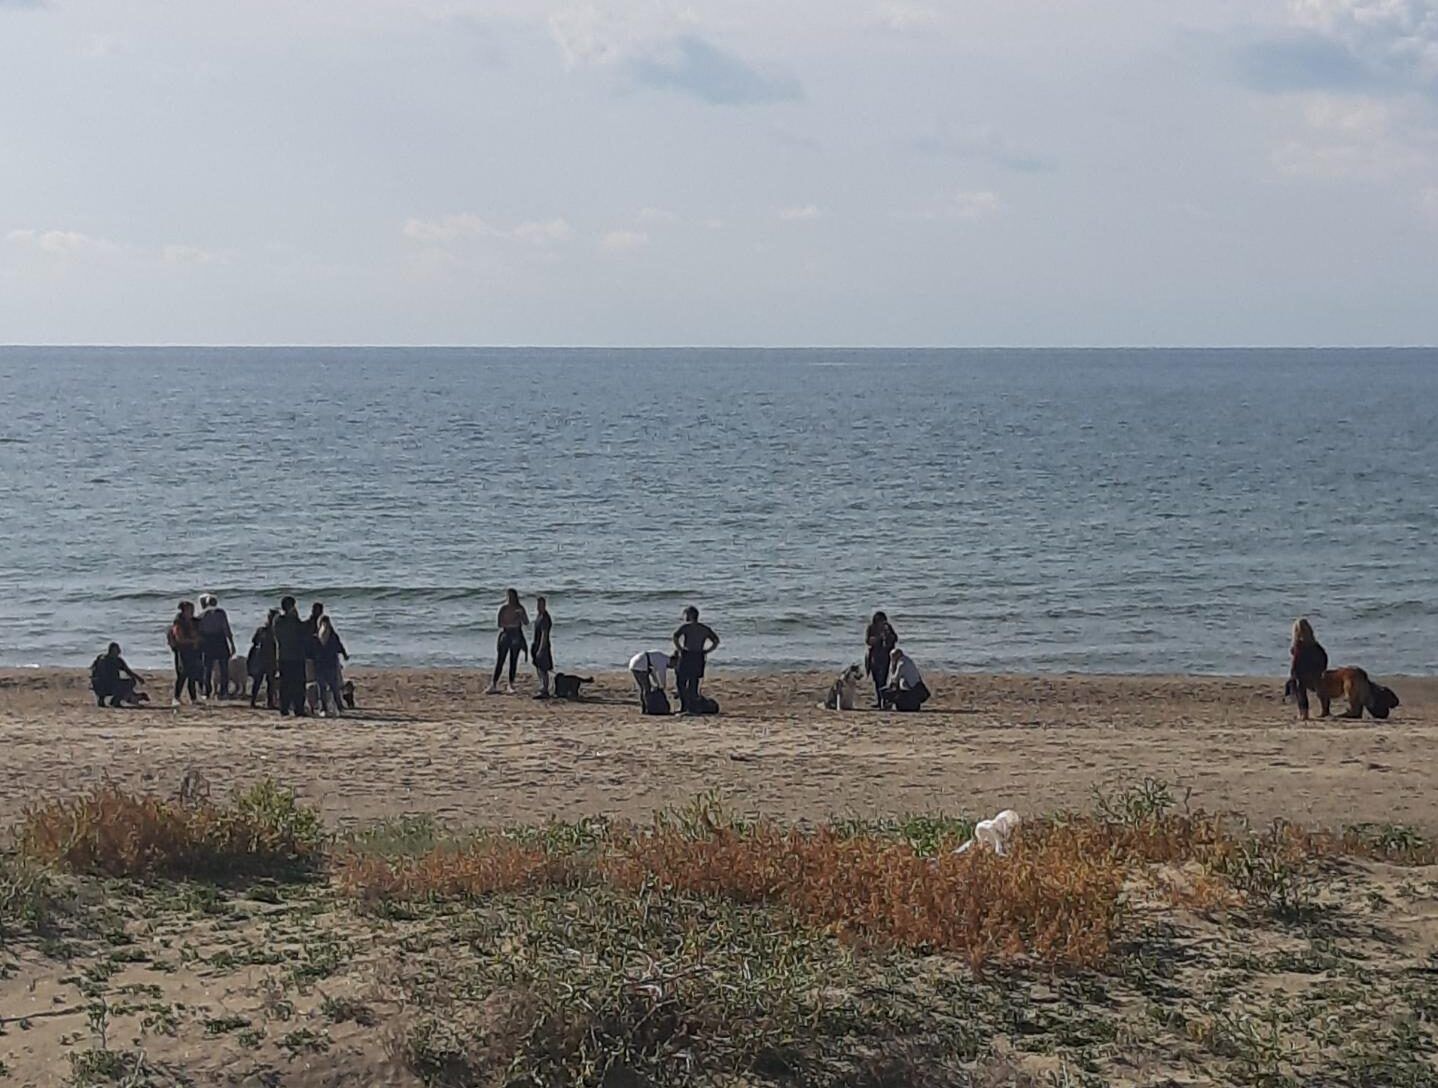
pixel 1137 941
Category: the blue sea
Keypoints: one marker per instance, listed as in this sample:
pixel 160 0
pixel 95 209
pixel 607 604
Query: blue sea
pixel 1139 511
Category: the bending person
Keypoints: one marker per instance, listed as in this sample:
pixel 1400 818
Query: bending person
pixel 651 672
pixel 111 678
pixel 907 690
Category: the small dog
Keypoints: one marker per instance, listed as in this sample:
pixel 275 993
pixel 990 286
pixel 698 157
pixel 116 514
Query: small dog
pixel 348 691
pixel 567 687
pixel 844 692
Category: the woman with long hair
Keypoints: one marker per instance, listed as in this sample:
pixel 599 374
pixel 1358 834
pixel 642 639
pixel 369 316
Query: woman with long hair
pixel 1307 662
pixel 513 619
pixel 184 640
pixel 880 640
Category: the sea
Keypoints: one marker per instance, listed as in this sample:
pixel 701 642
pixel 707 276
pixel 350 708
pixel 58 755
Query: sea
pixel 1026 511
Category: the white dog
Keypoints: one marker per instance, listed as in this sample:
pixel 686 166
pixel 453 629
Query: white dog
pixel 844 692
pixel 239 676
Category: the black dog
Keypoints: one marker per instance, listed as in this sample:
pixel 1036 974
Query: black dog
pixel 567 687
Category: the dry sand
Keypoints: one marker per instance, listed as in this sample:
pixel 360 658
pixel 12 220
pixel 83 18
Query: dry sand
pixel 428 741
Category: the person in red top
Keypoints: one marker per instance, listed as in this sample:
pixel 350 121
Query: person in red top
pixel 1308 661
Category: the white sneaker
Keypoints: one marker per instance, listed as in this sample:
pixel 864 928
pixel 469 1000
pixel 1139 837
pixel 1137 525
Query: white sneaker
pixel 509 690
pixel 175 703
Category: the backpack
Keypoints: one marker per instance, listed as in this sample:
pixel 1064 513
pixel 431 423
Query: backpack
pixel 1381 700
pixel 97 672
pixel 657 703
pixel 706 705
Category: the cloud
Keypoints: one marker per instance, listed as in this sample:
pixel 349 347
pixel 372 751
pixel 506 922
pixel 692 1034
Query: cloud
pixel 186 255
pixel 904 18
pixel 657 216
pixel 968 205
pixel 693 66
pixel 1348 45
pixel 60 243
pixel 982 143
pixel 803 213
pixel 623 241
pixel 467 225
pixel 1347 136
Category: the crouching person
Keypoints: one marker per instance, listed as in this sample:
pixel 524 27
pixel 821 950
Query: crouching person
pixel 907 690
pixel 111 678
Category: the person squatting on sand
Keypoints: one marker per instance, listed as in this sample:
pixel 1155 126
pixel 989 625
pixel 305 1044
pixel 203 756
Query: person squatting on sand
pixel 541 652
pixel 881 641
pixel 513 619
pixel 651 671
pixel 695 641
pixel 184 641
pixel 907 690
pixel 1307 663
pixel 292 652
pixel 111 678
pixel 217 646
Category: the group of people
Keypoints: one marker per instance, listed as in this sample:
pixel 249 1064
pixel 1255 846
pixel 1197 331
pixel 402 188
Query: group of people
pixel 288 653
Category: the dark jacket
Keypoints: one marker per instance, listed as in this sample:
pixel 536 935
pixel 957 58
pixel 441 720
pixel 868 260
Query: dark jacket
pixel 292 638
pixel 1310 661
pixel 327 654
pixel 263 654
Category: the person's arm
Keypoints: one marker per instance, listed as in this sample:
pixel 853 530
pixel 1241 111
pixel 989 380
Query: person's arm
pixel 340 643
pixel 499 620
pixel 125 670
pixel 678 645
pixel 712 638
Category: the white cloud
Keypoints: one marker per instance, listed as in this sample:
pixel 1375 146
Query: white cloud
pixel 182 254
pixel 803 213
pixel 969 205
pixel 1399 36
pixel 906 18
pixel 657 216
pixel 60 243
pixel 1342 136
pixel 623 241
pixel 464 225
pixel 602 33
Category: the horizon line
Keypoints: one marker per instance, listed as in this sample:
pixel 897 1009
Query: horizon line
pixel 179 346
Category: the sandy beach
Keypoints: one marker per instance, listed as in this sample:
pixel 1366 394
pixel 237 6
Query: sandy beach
pixel 428 741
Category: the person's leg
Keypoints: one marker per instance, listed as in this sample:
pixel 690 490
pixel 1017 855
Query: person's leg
pixel 641 681
pixel 179 678
pixel 543 682
pixel 513 662
pixel 255 689
pixel 501 645
pixel 287 687
pixel 272 689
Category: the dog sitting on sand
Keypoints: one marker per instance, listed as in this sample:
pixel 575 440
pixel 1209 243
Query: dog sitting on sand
pixel 567 687
pixel 1354 685
pixel 844 692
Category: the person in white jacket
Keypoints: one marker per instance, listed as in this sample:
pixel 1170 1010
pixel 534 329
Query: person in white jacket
pixel 651 670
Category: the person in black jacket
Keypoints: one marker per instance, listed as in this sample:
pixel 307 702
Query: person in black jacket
pixel 111 678
pixel 263 661
pixel 292 650
pixel 1307 662
pixel 329 649
pixel 881 642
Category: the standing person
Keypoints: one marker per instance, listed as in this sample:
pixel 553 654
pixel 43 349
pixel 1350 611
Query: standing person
pixel 541 653
pixel 312 626
pixel 881 640
pixel 695 641
pixel 513 619
pixel 651 670
pixel 217 643
pixel 262 661
pixel 1307 662
pixel 328 651
pixel 292 652
pixel 184 640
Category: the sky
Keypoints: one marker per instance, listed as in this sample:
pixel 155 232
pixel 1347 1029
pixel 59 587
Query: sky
pixel 767 172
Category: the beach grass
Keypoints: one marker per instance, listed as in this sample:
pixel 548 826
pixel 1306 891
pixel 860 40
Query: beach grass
pixel 150 940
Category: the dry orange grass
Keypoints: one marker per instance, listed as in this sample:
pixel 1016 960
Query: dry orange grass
pixel 115 833
pixel 486 866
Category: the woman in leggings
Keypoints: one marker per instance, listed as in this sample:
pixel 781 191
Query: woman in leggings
pixel 881 640
pixel 512 622
pixel 184 640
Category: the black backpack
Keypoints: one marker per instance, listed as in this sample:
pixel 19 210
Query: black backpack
pixel 656 703
pixel 97 673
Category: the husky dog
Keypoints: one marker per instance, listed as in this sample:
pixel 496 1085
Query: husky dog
pixel 845 690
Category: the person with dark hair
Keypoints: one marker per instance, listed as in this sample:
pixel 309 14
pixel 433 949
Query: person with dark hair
pixel 541 652
pixel 695 641
pixel 513 619
pixel 292 652
pixel 1307 662
pixel 217 645
pixel 111 678
pixel 184 640
pixel 263 661
pixel 907 690
pixel 329 649
pixel 880 640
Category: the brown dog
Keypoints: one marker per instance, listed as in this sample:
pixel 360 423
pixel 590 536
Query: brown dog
pixel 1349 682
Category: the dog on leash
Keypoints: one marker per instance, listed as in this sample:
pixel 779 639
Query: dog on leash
pixel 844 692
pixel 1356 686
